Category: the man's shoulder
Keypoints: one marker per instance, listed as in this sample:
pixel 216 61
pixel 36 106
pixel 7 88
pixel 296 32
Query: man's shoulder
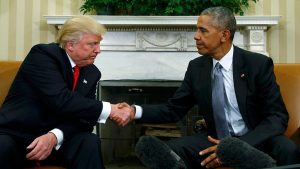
pixel 52 50
pixel 47 47
pixel 248 54
pixel 46 53
pixel 252 61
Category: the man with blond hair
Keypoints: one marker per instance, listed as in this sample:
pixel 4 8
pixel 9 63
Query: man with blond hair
pixel 50 110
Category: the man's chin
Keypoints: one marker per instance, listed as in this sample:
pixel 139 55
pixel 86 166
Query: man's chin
pixel 91 60
pixel 202 52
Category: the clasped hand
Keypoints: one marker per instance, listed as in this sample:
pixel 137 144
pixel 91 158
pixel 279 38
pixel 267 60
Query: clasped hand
pixel 122 113
pixel 211 161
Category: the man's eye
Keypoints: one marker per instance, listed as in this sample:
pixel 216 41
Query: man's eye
pixel 93 44
pixel 203 30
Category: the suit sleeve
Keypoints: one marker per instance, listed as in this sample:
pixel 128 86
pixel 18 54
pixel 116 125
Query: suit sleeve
pixel 176 107
pixel 274 117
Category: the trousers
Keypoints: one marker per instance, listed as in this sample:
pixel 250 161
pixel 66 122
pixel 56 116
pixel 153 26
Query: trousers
pixel 83 151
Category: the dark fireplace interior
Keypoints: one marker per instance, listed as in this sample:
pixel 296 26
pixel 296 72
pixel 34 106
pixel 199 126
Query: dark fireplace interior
pixel 119 142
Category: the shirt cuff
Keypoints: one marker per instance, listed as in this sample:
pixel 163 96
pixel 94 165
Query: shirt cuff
pixel 138 112
pixel 59 136
pixel 106 109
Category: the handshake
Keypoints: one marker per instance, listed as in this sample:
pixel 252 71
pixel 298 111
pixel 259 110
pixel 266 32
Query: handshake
pixel 122 113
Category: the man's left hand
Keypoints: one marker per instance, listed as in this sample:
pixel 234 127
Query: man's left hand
pixel 212 160
pixel 41 147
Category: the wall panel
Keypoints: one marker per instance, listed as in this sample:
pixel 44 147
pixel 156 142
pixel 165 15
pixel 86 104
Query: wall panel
pixel 297 33
pixel 12 30
pixel 4 6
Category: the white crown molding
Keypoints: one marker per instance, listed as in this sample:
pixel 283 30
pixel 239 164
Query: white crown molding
pixel 142 21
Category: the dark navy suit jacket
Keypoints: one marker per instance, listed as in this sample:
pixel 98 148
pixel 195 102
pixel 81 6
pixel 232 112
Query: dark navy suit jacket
pixel 258 96
pixel 41 98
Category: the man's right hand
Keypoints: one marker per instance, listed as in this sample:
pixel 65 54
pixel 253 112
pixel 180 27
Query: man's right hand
pixel 41 147
pixel 122 113
pixel 212 161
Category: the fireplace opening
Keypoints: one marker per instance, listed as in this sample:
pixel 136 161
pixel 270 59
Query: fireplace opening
pixel 119 142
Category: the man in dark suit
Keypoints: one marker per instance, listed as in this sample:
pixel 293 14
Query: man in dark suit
pixel 252 106
pixel 47 117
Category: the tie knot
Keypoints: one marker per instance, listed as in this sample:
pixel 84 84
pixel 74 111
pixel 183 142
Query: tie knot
pixel 218 66
pixel 76 68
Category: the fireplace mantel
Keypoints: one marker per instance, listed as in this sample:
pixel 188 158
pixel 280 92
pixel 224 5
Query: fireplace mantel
pixel 142 21
pixel 160 47
pixel 251 32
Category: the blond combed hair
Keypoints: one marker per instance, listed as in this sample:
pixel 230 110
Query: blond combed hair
pixel 75 27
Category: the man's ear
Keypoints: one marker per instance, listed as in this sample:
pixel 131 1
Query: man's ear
pixel 225 35
pixel 69 46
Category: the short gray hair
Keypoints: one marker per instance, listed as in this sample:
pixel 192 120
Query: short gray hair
pixel 223 18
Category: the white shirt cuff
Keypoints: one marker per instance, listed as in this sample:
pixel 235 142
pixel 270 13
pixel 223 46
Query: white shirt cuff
pixel 106 109
pixel 138 112
pixel 59 136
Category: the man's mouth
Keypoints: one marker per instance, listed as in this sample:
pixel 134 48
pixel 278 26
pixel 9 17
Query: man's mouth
pixel 200 46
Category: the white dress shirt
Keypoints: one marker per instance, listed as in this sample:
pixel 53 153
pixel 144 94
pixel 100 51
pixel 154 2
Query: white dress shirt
pixel 234 118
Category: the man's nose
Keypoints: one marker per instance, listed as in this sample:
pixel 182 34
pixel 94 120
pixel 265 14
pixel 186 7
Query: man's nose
pixel 197 36
pixel 97 49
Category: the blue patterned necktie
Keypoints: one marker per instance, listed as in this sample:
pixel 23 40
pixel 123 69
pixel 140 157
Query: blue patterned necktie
pixel 218 102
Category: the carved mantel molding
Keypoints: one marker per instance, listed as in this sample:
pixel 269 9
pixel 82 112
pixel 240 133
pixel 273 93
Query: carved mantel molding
pixel 160 33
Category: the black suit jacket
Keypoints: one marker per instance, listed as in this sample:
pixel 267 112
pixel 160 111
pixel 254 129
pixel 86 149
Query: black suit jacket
pixel 41 96
pixel 257 93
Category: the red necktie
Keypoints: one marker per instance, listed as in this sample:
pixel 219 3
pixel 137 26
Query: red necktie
pixel 75 76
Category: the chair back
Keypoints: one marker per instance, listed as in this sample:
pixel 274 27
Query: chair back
pixel 288 78
pixel 8 71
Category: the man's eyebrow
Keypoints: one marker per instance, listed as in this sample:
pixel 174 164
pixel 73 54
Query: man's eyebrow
pixel 201 28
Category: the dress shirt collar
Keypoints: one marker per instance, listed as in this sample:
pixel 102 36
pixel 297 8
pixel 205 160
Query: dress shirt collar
pixel 226 61
pixel 71 61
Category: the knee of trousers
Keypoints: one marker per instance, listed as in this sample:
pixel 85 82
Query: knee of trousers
pixel 10 151
pixel 285 145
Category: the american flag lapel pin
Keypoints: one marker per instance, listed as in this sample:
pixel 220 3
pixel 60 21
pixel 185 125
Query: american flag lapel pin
pixel 84 81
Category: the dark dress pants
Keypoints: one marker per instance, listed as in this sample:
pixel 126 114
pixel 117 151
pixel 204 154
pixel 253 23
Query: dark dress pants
pixel 83 151
pixel 282 149
pixel 188 148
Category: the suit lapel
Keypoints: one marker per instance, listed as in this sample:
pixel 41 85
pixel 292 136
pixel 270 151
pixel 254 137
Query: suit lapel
pixel 67 69
pixel 81 80
pixel 240 75
pixel 206 79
